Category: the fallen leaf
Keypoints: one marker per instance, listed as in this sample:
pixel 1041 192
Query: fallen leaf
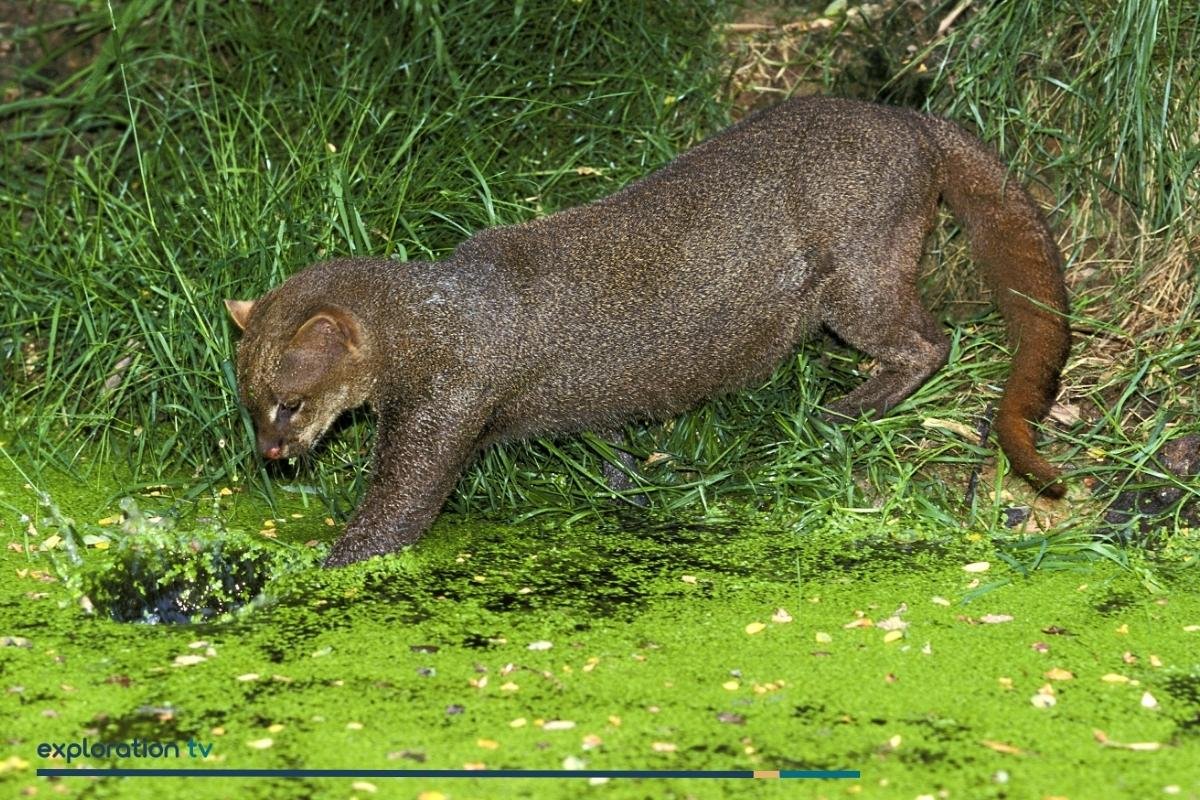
pixel 755 627
pixel 664 747
pixel 781 616
pixel 1101 737
pixel 13 764
pixel 1059 674
pixel 1065 414
pixel 965 431
pixel 995 619
pixel 977 566
pixel 1002 747
pixel 1043 700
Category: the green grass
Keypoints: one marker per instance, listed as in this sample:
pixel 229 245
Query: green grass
pixel 209 150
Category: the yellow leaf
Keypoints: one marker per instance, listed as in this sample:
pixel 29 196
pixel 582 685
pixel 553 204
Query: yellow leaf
pixel 755 627
pixel 12 764
pixel 1002 747
pixel 965 431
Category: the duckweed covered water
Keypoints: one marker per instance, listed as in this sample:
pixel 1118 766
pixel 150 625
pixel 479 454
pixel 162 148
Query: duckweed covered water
pixel 737 642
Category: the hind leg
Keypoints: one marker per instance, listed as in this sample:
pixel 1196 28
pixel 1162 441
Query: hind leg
pixel 878 310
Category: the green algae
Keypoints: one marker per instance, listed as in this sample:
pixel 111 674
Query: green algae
pixel 887 657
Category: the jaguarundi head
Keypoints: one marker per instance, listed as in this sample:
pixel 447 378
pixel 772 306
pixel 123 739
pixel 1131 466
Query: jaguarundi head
pixel 298 369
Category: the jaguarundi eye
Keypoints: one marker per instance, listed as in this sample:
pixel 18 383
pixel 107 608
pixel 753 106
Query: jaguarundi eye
pixel 289 407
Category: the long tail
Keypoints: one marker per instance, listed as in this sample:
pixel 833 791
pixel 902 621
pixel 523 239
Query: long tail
pixel 1021 263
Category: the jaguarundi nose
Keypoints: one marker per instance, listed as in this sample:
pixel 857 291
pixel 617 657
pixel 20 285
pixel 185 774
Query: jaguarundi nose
pixel 271 449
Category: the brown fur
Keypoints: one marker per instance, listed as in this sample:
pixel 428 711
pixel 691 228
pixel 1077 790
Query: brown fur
pixel 695 280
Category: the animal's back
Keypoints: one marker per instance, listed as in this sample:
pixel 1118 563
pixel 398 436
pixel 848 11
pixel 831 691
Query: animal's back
pixel 703 275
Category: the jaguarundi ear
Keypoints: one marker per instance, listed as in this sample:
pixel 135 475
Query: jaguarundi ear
pixel 240 310
pixel 327 336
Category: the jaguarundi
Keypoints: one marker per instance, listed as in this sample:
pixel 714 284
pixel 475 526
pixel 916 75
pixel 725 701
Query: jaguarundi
pixel 696 280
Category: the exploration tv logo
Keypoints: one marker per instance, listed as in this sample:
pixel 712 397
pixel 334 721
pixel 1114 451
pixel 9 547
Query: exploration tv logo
pixel 136 748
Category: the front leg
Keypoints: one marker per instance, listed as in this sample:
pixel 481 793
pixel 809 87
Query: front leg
pixel 419 454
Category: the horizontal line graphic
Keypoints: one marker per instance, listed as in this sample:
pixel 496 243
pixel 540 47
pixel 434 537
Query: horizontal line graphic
pixel 87 772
